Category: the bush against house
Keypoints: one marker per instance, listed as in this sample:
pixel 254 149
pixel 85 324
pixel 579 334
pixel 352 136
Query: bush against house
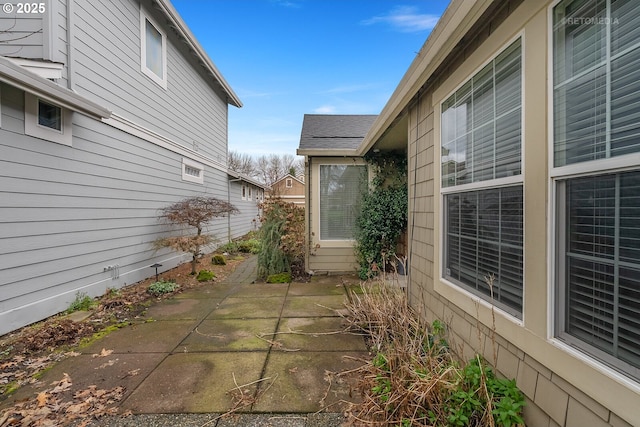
pixel 195 212
pixel 282 236
pixel 383 213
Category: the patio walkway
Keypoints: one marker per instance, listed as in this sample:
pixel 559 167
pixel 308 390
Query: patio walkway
pixel 272 351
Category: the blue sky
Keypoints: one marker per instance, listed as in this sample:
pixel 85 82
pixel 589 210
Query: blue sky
pixel 287 58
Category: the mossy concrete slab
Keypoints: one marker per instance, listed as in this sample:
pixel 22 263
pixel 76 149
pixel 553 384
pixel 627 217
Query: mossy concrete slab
pixel 260 290
pixel 336 278
pixel 314 288
pixel 182 309
pixel 106 372
pixel 314 306
pixel 246 308
pixel 208 290
pixel 308 382
pixel 230 335
pixel 317 334
pixel 149 337
pixel 196 383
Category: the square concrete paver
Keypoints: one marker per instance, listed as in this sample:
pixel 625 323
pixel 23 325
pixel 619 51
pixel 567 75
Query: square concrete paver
pixel 260 290
pixel 150 337
pixel 230 335
pixel 314 306
pixel 248 308
pixel 306 382
pixel 196 383
pixel 317 334
pixel 210 290
pixel 314 288
pixel 182 309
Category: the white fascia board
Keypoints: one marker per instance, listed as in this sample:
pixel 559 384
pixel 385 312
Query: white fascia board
pixel 179 25
pixel 457 19
pixel 23 79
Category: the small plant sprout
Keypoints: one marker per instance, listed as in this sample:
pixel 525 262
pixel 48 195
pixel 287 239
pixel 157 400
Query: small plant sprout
pixel 162 287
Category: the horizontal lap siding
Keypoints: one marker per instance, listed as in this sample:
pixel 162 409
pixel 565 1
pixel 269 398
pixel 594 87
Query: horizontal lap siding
pixel 21 34
pixel 333 260
pixel 107 69
pixel 249 217
pixel 66 212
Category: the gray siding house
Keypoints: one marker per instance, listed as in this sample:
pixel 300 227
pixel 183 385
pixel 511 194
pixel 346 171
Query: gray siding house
pixel 108 112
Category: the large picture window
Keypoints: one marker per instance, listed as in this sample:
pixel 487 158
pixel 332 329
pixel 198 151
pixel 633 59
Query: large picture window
pixel 340 190
pixel 596 119
pixel 481 135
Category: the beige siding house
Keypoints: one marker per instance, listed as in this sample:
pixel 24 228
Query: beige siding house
pixel 290 189
pixel 521 121
pixel 333 174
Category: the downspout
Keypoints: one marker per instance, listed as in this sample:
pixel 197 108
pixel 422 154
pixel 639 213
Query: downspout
pixel 70 59
pixel 229 181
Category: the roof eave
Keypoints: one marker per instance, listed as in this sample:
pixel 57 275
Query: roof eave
pixel 459 16
pixel 23 79
pixel 326 152
pixel 174 17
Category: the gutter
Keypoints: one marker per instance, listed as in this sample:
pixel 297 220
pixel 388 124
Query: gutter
pixel 179 25
pixel 15 75
pixel 459 16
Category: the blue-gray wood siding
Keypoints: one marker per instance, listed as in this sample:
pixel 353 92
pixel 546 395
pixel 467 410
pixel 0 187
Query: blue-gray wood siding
pixel 67 212
pixel 106 43
pixel 249 217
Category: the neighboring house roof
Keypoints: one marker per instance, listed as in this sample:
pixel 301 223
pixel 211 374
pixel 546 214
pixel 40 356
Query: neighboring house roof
pixel 21 78
pixel 242 177
pixel 176 23
pixel 333 134
pixel 285 177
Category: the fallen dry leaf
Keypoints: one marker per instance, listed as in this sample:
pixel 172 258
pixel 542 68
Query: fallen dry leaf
pixel 103 353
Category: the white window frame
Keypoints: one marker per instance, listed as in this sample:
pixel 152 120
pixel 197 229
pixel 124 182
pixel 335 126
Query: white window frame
pixel 33 128
pixel 559 176
pixel 250 193
pixel 343 243
pixel 501 183
pixel 161 81
pixel 243 192
pixel 288 183
pixel 187 165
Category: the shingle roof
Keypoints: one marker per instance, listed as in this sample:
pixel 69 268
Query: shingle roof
pixel 334 131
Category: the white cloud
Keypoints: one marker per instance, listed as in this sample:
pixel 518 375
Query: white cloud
pixel 325 109
pixel 406 19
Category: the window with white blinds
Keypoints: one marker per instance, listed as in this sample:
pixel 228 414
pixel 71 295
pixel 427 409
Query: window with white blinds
pixel 596 105
pixel 341 187
pixel 484 239
pixel 596 77
pixel 481 137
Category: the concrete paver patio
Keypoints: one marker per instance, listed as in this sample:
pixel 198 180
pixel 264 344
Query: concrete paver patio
pixel 272 351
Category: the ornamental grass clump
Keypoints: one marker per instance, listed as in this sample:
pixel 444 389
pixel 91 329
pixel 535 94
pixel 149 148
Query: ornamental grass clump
pixel 414 379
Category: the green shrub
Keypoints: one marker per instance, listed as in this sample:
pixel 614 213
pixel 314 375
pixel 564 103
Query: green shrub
pixel 218 260
pixel 282 238
pixel 250 246
pixel 383 213
pixel 205 276
pixel 82 302
pixel 162 287
pixel 279 278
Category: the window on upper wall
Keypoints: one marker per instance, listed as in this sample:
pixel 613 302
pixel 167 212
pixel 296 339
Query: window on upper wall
pixel 288 183
pixel 46 120
pixel 341 187
pixel 244 192
pixel 596 175
pixel 250 197
pixel 481 145
pixel 153 52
